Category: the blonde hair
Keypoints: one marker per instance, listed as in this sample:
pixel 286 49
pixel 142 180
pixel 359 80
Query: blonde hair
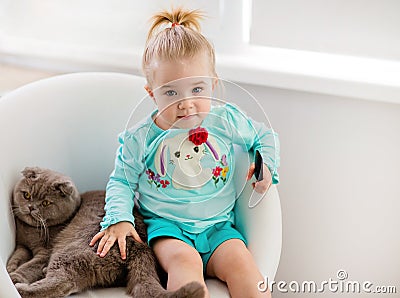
pixel 182 40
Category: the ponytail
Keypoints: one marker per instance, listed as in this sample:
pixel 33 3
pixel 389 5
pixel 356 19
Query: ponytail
pixel 188 19
pixel 182 39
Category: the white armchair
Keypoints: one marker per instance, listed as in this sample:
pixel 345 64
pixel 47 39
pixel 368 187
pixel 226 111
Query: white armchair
pixel 70 123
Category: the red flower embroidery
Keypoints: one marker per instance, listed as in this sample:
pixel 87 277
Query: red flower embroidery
pixel 217 171
pixel 164 183
pixel 150 174
pixel 198 135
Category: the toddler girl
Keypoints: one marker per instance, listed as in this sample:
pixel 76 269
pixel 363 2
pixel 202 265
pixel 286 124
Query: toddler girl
pixel 180 160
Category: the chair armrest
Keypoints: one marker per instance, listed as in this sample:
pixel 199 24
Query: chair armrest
pixel 262 224
pixel 7 286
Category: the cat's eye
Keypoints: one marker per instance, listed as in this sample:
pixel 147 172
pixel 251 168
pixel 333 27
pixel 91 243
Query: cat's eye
pixel 177 154
pixel 196 149
pixel 46 203
pixel 27 195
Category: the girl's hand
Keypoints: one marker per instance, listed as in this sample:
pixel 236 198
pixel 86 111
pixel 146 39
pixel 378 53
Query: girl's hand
pixel 117 232
pixel 263 185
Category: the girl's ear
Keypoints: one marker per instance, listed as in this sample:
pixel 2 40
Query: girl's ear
pixel 214 83
pixel 149 91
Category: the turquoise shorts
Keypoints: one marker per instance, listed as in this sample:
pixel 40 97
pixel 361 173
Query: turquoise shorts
pixel 205 243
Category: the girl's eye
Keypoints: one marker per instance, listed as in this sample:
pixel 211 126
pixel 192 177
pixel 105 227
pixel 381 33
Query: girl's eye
pixel 197 90
pixel 171 93
pixel 27 195
pixel 46 203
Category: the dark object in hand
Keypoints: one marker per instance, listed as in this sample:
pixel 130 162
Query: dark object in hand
pixel 258 171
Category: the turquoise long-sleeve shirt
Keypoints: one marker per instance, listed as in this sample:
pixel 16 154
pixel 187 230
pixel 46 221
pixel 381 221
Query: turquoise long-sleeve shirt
pixel 184 175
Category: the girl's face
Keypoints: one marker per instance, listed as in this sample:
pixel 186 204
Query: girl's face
pixel 181 90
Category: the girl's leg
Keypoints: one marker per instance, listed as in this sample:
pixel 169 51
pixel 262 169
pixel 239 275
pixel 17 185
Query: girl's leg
pixel 181 261
pixel 232 263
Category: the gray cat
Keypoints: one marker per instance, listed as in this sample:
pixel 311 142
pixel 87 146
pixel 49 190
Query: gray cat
pixel 54 225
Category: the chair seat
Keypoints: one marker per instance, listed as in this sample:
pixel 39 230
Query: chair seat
pixel 216 287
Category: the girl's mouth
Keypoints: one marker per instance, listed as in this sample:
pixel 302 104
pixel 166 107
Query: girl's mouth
pixel 187 117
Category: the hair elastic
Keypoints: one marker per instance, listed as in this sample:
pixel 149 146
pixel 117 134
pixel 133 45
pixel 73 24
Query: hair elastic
pixel 174 24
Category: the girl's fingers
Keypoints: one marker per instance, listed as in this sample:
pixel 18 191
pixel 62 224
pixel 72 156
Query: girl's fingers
pixel 107 245
pixel 101 244
pixel 251 171
pixel 136 236
pixel 107 240
pixel 262 186
pixel 259 186
pixel 96 238
pixel 122 247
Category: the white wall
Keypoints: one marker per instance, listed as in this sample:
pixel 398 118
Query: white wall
pixel 339 187
pixel 101 24
pixel 369 28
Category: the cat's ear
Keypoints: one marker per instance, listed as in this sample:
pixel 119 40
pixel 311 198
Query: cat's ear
pixel 31 173
pixel 65 187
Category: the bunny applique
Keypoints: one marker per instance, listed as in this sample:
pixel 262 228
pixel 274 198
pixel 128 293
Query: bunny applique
pixel 185 151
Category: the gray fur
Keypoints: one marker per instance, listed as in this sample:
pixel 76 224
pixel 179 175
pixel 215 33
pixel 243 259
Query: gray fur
pixel 37 225
pixel 71 265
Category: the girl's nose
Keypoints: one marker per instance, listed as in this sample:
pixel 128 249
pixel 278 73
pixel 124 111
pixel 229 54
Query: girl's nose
pixel 185 104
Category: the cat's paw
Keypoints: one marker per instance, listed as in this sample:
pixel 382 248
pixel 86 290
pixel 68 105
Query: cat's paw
pixel 190 290
pixel 18 278
pixel 11 268
pixel 23 289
